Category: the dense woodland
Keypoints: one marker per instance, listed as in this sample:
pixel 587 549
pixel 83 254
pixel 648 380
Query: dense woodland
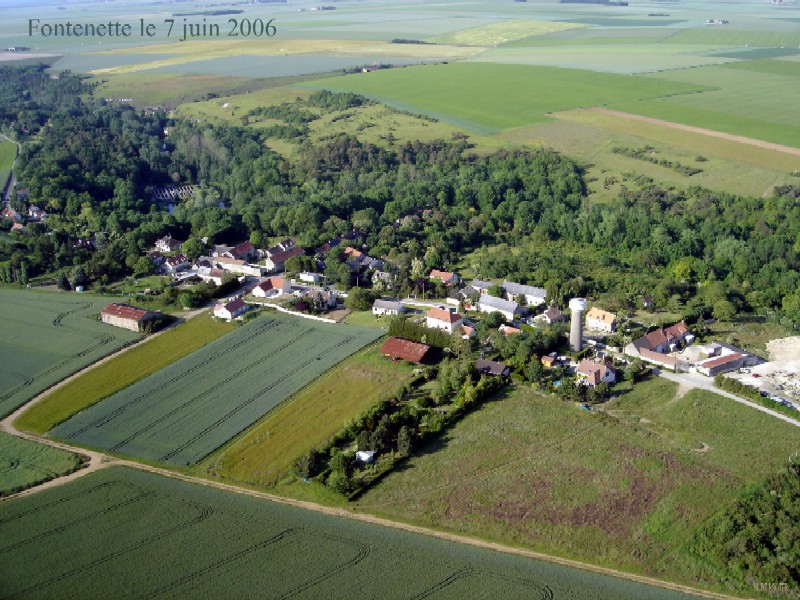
pixel 522 214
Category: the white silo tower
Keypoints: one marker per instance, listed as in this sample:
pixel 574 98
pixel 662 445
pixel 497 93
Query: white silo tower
pixel 578 307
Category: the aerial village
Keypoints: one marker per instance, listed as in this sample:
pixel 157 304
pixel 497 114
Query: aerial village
pixel 588 350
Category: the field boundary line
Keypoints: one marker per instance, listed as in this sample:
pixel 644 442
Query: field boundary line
pixel 700 130
pixel 442 535
pixel 99 460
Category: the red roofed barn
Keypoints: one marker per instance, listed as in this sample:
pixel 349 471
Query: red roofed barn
pixel 127 317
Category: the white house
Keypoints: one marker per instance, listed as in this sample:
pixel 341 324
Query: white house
pixel 168 244
pixel 272 287
pixel 230 310
pixel 441 318
pixel 310 277
pixel 534 296
pixel 507 308
pixel 277 261
pixel 388 306
pixel 601 320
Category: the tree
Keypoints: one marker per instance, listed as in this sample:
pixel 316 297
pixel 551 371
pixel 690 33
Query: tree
pixel 193 247
pixel 143 266
pixel 724 310
pixel 62 282
pixel 497 291
pixel 359 299
pixel 404 441
pixel 535 370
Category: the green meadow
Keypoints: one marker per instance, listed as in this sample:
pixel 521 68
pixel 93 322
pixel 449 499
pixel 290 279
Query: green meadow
pixel 8 152
pixel 627 485
pixel 486 97
pixel 24 464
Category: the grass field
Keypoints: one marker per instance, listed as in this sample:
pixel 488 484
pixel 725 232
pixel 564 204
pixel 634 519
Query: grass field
pixel 8 152
pixel 487 97
pixel 192 407
pixel 625 487
pixel 24 464
pixel 48 337
pixel 122 371
pixel 122 532
pixel 270 449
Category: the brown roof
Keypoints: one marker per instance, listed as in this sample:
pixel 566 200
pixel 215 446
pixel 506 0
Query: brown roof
pixel 404 349
pixel 593 371
pixel 491 367
pixel 234 305
pixel 242 249
pixel 676 331
pixel 444 276
pixel 286 255
pixel 716 362
pixel 124 311
pixel 444 315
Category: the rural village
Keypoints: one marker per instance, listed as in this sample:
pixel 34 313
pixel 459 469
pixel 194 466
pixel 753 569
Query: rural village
pixel 423 300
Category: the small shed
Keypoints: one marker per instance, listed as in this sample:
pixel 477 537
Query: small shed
pixel 365 456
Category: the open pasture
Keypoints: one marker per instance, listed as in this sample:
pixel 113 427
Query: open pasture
pixel 49 336
pixel 140 535
pixel 185 411
pixel 626 486
pixel 24 464
pixel 486 97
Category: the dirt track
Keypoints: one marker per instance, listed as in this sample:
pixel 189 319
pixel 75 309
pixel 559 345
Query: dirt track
pixel 708 132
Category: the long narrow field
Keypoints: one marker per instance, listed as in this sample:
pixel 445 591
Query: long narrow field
pixel 24 464
pixel 308 420
pixel 147 536
pixel 8 152
pixel 121 371
pixel 185 411
pixel 48 337
pixel 628 486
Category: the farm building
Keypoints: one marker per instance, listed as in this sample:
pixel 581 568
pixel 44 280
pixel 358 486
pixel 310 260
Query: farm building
pixel 127 317
pixel 399 349
pixel 507 308
pixel 387 306
pixel 230 310
pixel 534 296
pixel 492 367
pixel 725 358
pixel 441 318
pixel 601 320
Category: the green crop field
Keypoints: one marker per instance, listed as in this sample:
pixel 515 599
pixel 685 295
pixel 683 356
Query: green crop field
pixel 308 420
pixel 487 97
pixel 8 152
pixel 126 533
pixel 122 371
pixel 185 411
pixel 24 464
pixel 627 486
pixel 48 337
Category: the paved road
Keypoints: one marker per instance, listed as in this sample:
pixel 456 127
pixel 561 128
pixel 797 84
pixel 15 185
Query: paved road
pixel 702 382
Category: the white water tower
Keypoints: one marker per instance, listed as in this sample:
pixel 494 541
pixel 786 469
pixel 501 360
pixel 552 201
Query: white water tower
pixel 578 307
